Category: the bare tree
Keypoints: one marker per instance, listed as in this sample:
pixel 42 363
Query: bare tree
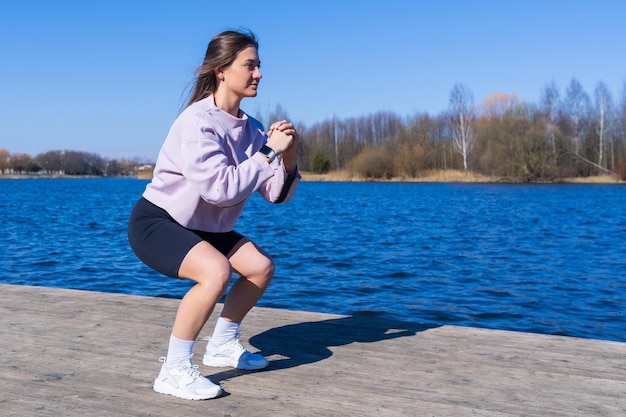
pixel 23 163
pixel 271 115
pixel 51 161
pixel 462 120
pixel 577 103
pixel 604 109
pixel 550 104
pixel 620 146
pixel 5 157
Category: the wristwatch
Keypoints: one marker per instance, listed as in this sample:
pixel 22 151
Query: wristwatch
pixel 268 152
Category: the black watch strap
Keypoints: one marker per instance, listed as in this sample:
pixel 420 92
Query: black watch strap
pixel 268 153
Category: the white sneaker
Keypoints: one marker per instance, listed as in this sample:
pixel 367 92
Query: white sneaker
pixel 233 354
pixel 185 382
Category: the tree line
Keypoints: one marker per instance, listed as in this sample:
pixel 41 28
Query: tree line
pixel 573 134
pixel 564 135
pixel 66 163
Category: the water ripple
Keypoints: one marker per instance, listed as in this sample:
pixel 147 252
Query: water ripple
pixel 546 259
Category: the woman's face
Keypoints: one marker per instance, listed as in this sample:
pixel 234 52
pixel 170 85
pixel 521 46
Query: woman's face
pixel 243 75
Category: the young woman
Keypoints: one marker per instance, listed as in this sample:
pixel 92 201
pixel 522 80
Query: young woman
pixel 214 157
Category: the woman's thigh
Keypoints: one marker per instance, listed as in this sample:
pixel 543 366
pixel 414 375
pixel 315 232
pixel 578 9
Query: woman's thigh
pixel 157 240
pixel 250 260
pixel 173 250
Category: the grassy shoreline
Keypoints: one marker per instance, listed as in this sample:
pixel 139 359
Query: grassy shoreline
pixel 445 176
pixel 450 176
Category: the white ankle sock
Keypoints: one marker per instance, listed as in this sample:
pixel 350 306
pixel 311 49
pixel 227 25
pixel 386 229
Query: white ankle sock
pixel 225 331
pixel 179 351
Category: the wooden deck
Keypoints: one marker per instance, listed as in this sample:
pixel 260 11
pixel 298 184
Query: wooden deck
pixel 72 353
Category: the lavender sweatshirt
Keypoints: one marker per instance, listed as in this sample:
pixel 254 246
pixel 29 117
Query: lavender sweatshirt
pixel 209 165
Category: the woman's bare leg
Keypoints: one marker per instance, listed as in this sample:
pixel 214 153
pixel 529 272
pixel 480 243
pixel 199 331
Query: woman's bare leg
pixel 212 272
pixel 257 270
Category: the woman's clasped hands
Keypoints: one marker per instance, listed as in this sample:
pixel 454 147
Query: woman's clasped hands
pixel 282 137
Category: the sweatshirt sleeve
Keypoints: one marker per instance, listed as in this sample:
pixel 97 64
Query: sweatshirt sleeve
pixel 281 187
pixel 205 165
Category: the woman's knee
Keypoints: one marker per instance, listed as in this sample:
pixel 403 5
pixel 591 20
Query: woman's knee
pixel 263 272
pixel 253 263
pixel 268 268
pixel 219 274
pixel 207 267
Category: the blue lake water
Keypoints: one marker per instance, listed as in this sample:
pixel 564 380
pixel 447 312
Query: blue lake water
pixel 537 258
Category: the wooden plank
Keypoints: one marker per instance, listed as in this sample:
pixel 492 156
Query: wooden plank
pixel 67 352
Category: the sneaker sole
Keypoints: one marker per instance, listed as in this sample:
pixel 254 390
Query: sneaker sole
pixel 227 363
pixel 163 388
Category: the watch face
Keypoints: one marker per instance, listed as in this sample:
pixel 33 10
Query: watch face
pixel 268 152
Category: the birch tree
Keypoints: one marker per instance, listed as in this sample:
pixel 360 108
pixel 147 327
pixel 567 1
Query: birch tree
pixel 462 120
pixel 603 110
pixel 550 104
pixel 620 151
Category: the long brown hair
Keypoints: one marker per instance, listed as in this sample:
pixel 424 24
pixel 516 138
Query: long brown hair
pixel 221 52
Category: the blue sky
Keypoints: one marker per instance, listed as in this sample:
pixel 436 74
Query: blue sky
pixel 109 77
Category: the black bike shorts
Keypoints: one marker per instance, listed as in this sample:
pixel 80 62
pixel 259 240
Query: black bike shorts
pixel 162 243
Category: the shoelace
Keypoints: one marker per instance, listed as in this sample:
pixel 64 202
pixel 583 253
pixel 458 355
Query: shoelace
pixel 235 342
pixel 190 371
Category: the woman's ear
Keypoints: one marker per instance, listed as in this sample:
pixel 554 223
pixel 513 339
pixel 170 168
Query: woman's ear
pixel 219 74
